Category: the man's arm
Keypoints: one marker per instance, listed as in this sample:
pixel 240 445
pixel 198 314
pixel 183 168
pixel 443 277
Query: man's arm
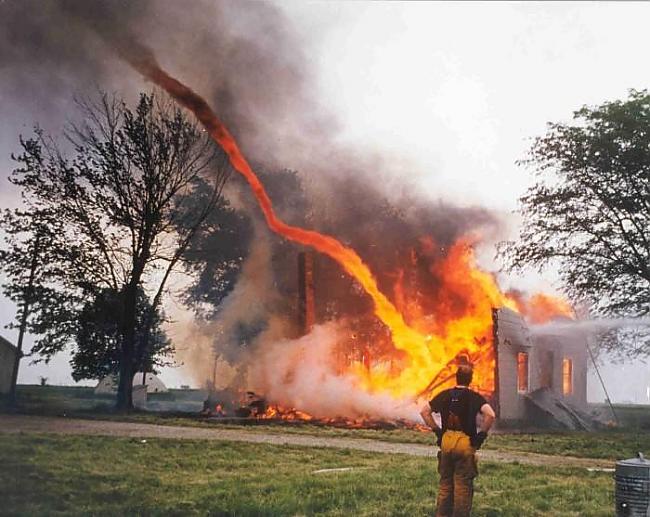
pixel 488 417
pixel 427 416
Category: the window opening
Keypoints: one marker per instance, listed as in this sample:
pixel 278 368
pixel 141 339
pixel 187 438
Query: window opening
pixel 522 372
pixel 567 376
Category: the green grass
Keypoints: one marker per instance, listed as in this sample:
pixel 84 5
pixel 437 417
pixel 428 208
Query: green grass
pixel 612 445
pixel 65 475
pixel 630 415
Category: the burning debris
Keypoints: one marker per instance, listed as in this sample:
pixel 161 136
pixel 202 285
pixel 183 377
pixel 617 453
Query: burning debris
pixel 231 404
pixel 227 406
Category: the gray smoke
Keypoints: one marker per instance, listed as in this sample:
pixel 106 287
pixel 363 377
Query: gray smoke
pixel 242 56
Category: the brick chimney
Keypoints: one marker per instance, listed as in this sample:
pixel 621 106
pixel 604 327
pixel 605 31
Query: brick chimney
pixel 306 311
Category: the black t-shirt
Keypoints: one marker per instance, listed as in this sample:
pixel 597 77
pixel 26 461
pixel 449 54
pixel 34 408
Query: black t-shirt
pixel 458 408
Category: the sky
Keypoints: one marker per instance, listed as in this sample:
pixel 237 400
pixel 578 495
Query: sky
pixel 452 92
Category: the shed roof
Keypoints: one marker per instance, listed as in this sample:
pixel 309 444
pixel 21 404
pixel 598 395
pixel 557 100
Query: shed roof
pixel 5 343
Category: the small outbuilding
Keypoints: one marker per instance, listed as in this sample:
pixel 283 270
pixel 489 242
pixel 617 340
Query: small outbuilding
pixel 108 385
pixel 8 355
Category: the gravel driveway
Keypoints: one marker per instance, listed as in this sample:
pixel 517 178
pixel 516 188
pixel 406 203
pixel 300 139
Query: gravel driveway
pixel 59 425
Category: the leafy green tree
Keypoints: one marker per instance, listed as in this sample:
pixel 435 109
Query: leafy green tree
pixel 29 263
pixel 589 210
pixel 97 337
pixel 214 256
pixel 113 213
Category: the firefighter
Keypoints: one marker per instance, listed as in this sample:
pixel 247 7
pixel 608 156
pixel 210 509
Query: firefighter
pixel 458 440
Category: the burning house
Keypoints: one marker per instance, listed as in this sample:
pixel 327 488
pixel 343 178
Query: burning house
pixel 540 379
pixel 532 379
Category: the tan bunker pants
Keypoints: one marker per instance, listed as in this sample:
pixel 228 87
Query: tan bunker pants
pixel 457 468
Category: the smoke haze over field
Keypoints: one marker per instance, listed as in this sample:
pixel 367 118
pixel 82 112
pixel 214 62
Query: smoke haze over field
pixel 407 103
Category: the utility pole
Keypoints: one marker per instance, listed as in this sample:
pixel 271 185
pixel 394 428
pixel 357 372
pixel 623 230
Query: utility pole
pixel 602 383
pixel 214 371
pixel 306 301
pixel 27 300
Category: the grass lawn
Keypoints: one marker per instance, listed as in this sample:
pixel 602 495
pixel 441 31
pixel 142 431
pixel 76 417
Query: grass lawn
pixel 612 445
pixel 66 475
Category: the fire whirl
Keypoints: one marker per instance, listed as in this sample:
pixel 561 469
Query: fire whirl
pixel 426 357
pixel 429 346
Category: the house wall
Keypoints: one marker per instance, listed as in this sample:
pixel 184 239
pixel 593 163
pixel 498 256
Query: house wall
pixel 545 357
pixel 7 360
pixel 573 348
pixel 512 337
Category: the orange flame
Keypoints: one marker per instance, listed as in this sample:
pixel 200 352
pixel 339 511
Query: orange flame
pixel 282 413
pixel 450 306
pixel 541 307
pixel 276 412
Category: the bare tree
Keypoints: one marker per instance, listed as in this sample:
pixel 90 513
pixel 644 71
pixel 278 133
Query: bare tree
pixel 123 207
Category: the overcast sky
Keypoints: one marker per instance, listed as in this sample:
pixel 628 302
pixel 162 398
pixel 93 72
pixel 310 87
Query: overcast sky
pixel 451 91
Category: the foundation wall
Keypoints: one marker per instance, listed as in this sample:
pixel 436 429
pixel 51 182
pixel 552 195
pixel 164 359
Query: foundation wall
pixel 7 359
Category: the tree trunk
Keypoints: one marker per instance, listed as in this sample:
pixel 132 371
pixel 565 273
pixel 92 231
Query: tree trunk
pixel 125 387
pixel 23 320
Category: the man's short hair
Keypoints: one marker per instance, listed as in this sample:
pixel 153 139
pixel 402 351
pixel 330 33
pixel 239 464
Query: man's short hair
pixel 464 375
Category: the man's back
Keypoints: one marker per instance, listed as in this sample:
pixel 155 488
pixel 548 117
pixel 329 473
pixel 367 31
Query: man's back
pixel 458 440
pixel 458 408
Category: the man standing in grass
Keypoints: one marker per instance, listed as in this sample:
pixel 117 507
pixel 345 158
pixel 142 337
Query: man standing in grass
pixel 458 440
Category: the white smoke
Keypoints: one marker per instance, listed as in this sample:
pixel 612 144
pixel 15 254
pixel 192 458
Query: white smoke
pixel 592 326
pixel 301 373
